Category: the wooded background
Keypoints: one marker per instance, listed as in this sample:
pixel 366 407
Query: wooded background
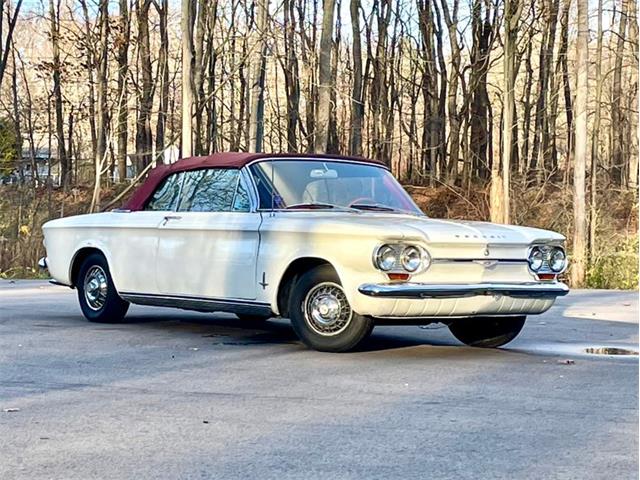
pixel 517 111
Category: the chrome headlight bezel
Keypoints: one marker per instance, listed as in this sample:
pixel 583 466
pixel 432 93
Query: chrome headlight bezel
pixel 539 258
pixel 403 253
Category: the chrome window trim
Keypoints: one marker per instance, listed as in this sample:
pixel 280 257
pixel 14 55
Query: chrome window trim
pixel 317 159
pixel 252 190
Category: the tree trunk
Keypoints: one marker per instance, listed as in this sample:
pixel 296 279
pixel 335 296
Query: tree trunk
pixel 581 153
pixel 595 153
pixel 291 76
pixel 187 77
pixel 324 78
pixel 452 99
pixel 12 18
pixel 357 98
pixel 102 112
pixel 632 174
pixel 65 164
pixel 122 42
pixel 259 65
pixel 163 75
pixel 500 180
pixel 144 140
pixel 540 145
pixel 617 116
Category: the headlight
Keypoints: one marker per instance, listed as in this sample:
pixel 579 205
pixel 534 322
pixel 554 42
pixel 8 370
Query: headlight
pixel 411 259
pixel 536 259
pixel 386 258
pixel 557 259
pixel 401 258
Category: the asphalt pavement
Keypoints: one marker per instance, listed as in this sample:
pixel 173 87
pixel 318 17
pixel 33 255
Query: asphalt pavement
pixel 174 394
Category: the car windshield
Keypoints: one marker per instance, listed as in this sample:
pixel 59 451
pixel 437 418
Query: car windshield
pixel 320 184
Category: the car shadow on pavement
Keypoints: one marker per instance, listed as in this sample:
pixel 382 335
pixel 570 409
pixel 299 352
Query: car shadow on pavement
pixel 229 330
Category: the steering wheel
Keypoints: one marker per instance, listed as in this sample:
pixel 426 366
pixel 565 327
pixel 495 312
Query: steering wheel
pixel 360 200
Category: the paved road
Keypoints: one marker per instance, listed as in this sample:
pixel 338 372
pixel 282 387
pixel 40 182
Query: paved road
pixel 172 394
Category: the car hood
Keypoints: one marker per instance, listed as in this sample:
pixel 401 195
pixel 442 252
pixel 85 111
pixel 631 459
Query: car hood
pixel 459 239
pixel 462 231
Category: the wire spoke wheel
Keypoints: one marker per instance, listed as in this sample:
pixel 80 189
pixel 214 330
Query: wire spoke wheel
pixel 96 287
pixel 326 309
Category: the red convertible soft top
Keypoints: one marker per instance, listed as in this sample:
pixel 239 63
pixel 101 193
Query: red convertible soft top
pixel 217 160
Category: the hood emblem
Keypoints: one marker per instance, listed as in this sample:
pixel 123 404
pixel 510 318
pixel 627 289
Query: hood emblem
pixel 486 252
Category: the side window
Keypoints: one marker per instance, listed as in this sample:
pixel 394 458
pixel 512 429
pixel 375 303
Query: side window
pixel 241 202
pixel 165 197
pixel 209 190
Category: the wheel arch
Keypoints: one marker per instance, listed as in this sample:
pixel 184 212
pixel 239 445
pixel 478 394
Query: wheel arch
pixel 288 279
pixel 80 256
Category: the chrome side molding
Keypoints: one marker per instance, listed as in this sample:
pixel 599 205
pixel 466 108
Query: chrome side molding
pixel 200 304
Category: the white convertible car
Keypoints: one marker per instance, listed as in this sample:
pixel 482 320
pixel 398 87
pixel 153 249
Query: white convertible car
pixel 333 243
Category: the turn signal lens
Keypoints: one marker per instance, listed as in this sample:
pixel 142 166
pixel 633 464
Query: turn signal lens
pixel 398 276
pixel 546 276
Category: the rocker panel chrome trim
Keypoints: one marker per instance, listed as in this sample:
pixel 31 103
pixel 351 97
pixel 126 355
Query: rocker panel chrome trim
pixel 201 304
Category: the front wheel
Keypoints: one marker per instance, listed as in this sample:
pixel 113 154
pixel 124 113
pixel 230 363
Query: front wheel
pixel 97 294
pixel 321 315
pixel 488 332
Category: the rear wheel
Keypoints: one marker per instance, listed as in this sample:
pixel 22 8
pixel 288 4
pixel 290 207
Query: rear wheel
pixel 97 294
pixel 321 315
pixel 488 332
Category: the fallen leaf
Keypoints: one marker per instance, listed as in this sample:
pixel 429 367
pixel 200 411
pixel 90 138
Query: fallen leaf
pixel 567 361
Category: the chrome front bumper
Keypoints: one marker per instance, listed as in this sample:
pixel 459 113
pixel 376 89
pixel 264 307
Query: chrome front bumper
pixel 422 290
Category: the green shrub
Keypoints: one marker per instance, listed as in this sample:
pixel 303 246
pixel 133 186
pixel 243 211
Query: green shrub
pixel 616 266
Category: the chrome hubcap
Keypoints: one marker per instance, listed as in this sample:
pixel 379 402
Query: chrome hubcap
pixel 95 288
pixel 326 309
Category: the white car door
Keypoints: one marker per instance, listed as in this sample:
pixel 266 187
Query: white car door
pixel 208 248
pixel 135 244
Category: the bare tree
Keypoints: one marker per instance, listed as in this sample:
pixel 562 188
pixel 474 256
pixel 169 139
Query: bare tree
pixel 578 268
pixel 187 22
pixel 500 198
pixel 12 18
pixel 256 122
pixel 324 77
pixel 122 43
pixel 65 164
pixel 357 98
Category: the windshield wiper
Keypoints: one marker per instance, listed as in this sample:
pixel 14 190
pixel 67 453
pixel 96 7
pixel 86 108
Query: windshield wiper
pixel 310 206
pixel 320 206
pixel 374 207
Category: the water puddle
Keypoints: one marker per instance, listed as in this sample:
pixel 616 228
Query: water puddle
pixel 629 352
pixel 610 351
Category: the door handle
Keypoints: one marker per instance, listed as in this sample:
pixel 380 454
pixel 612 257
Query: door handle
pixel 170 217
